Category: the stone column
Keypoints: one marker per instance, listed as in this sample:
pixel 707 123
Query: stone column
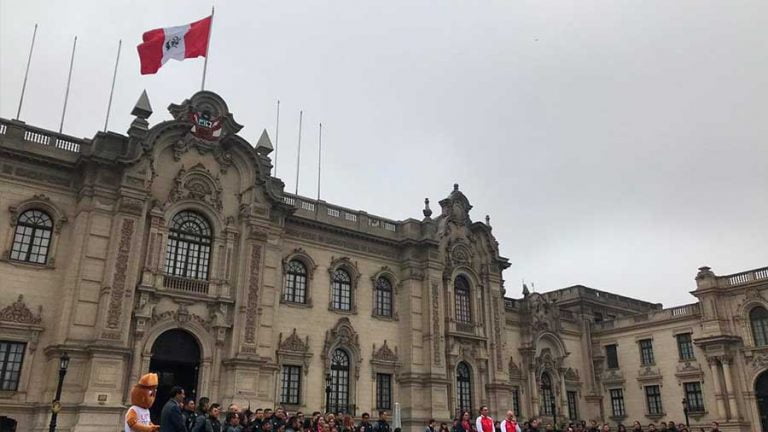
pixel 719 396
pixel 734 407
pixel 534 391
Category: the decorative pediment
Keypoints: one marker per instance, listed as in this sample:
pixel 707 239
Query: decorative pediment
pixel 613 377
pixel 294 350
pixel 19 313
pixel 649 375
pixel 208 115
pixel 572 374
pixel 384 353
pixel 514 370
pixel 293 343
pixel 344 336
pixel 545 315
pixel 688 371
pixel 456 207
pixel 197 184
pixel 460 254
pixel 759 361
pixel 346 264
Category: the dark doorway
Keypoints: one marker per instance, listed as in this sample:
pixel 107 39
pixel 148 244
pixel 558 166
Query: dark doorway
pixel 7 424
pixel 176 361
pixel 761 394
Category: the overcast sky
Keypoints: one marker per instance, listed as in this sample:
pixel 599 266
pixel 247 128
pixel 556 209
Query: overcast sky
pixel 615 144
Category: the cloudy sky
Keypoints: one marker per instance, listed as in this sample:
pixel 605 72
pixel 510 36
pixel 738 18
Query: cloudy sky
pixel 615 144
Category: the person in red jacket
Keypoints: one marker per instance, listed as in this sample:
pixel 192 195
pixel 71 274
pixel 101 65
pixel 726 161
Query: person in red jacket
pixel 509 424
pixel 484 423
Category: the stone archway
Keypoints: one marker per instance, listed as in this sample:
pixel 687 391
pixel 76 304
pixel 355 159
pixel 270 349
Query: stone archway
pixel 761 396
pixel 176 361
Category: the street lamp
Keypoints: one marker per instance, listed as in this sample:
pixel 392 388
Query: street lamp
pixel 328 392
pixel 685 411
pixel 56 404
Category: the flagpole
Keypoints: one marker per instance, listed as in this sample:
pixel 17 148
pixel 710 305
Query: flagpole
pixel 207 45
pixel 112 90
pixel 69 80
pixel 277 133
pixel 319 158
pixel 298 153
pixel 26 74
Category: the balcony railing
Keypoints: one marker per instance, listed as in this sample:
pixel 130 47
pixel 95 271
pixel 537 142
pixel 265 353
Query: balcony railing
pixel 34 135
pixel 343 216
pixel 746 277
pixel 194 286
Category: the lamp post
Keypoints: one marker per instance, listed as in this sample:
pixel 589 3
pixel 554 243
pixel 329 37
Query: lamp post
pixel 327 392
pixel 56 404
pixel 685 411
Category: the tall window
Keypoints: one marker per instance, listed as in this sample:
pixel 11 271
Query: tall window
pixel 646 352
pixel 461 292
pixel 189 246
pixel 617 403
pixel 11 357
pixel 341 290
pixel 291 385
pixel 516 401
pixel 611 356
pixel 383 298
pixel 383 391
pixel 464 387
pixel 759 319
pixel 685 346
pixel 573 411
pixel 547 397
pixel 295 282
pixel 694 397
pixel 32 237
pixel 339 381
pixel 653 399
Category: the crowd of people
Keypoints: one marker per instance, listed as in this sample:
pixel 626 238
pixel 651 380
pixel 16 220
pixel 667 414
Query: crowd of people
pixel 187 415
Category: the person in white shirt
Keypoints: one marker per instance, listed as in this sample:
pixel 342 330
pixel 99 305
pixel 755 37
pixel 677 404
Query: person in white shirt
pixel 484 423
pixel 509 424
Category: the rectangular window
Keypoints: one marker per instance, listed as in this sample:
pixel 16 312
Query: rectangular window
pixel 617 403
pixel 646 352
pixel 611 356
pixel 598 317
pixel 694 396
pixel 573 412
pixel 653 399
pixel 383 391
pixel 684 346
pixel 291 385
pixel 516 402
pixel 11 358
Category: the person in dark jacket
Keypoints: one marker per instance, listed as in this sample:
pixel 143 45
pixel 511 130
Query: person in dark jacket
pixel 171 419
pixel 190 414
pixel 381 424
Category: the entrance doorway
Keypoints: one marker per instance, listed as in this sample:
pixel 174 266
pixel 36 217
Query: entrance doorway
pixel 761 394
pixel 176 361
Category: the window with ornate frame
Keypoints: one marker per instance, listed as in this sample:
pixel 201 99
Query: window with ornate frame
pixel 340 385
pixel 758 319
pixel 32 237
pixel 382 302
pixel 291 385
pixel 295 289
pixel 461 293
pixel 11 360
pixel 188 251
pixel 341 290
pixel 464 387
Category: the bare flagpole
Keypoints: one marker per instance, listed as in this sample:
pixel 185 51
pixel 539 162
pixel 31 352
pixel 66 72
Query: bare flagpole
pixel 207 46
pixel 298 153
pixel 112 90
pixel 319 158
pixel 277 133
pixel 26 74
pixel 69 80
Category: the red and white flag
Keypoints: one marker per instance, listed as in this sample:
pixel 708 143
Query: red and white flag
pixel 180 42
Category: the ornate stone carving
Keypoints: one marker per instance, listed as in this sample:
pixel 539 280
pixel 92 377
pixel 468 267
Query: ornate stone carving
pixel 436 323
pixel 131 205
pixel 342 335
pixel 182 316
pixel 460 254
pixel 253 293
pixel 571 374
pixel 760 361
pixel 514 370
pixel 19 313
pixel 545 315
pixel 497 333
pixel 293 343
pixel 197 184
pixel 121 268
pixel 384 353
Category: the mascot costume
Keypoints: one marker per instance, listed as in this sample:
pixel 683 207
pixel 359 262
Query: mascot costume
pixel 142 398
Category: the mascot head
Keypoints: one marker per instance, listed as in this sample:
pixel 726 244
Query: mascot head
pixel 143 393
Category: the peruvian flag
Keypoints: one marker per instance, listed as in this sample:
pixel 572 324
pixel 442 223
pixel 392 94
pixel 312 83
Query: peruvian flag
pixel 181 42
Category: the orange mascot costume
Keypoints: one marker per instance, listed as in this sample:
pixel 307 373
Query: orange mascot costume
pixel 142 398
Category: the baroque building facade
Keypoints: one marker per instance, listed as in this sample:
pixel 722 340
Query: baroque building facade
pixel 173 249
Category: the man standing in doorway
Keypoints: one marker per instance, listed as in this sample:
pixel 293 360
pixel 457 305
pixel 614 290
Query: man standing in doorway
pixel 484 423
pixel 171 419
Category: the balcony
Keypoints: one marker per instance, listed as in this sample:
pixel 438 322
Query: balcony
pixel 193 286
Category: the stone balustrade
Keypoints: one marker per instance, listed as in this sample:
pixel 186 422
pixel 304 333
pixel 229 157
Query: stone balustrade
pixel 20 131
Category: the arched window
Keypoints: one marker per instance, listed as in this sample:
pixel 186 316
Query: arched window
pixel 33 237
pixel 341 290
pixel 383 298
pixel 547 397
pixel 295 282
pixel 461 293
pixel 759 319
pixel 464 387
pixel 189 246
pixel 339 396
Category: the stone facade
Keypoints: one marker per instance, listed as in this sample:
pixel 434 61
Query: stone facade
pixel 103 292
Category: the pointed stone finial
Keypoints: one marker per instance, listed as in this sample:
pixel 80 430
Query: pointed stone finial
pixel 427 211
pixel 488 220
pixel 455 187
pixel 142 109
pixel 264 145
pixel 526 292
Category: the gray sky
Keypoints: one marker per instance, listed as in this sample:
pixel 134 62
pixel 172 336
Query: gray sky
pixel 615 144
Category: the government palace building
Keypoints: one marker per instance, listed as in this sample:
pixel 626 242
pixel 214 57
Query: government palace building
pixel 171 248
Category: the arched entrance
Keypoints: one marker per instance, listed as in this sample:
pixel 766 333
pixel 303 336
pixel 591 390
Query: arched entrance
pixel 761 395
pixel 176 361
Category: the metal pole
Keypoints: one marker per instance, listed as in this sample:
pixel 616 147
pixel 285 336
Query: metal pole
pixel 69 80
pixel 112 90
pixel 55 413
pixel 207 45
pixel 26 74
pixel 319 159
pixel 298 153
pixel 277 134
